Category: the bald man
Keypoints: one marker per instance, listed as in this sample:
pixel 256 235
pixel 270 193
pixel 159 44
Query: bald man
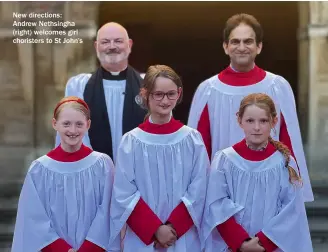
pixel 110 91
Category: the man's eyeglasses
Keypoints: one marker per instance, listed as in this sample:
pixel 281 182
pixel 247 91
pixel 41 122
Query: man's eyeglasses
pixel 171 95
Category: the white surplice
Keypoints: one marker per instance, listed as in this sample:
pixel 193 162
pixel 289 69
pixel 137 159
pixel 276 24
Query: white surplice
pixel 164 170
pixel 223 103
pixel 260 197
pixel 67 200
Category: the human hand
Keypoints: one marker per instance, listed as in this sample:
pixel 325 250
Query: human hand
pixel 166 236
pixel 252 246
pixel 157 245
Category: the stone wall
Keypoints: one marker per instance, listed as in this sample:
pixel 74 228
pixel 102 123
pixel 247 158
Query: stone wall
pixel 56 63
pixel 313 86
pixel 33 76
pixel 16 113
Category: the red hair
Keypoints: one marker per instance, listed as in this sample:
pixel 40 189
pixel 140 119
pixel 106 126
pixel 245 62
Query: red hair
pixel 264 102
pixel 74 99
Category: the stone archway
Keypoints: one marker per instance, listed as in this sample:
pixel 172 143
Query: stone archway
pixel 188 37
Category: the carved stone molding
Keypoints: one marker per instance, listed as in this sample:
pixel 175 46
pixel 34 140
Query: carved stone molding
pixel 42 7
pixel 318 12
pixel 83 12
pixel 322 59
pixel 6 13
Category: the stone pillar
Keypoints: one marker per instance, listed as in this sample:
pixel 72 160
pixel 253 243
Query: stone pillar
pixel 34 76
pixel 16 99
pixel 54 63
pixel 313 88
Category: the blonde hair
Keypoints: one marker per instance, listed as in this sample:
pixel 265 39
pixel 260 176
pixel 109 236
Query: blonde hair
pixel 153 72
pixel 73 102
pixel 264 102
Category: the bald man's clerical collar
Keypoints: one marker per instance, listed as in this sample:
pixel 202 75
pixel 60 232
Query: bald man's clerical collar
pixel 114 75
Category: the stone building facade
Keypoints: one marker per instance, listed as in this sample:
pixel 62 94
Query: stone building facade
pixel 33 78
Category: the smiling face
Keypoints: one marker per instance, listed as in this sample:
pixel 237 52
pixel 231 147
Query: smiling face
pixel 71 124
pixel 242 47
pixel 163 98
pixel 161 91
pixel 113 46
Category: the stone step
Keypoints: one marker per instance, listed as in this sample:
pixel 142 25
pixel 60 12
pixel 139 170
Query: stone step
pixel 319 229
pixel 14 163
pixel 5 248
pixel 8 210
pixel 317 212
pixel 317 208
pixel 320 191
pixel 12 168
pixel 9 192
pixel 6 237
pixel 320 247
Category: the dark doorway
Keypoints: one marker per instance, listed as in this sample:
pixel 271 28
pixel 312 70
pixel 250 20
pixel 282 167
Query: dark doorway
pixel 188 37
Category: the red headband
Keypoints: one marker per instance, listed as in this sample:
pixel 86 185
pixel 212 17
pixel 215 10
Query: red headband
pixel 78 100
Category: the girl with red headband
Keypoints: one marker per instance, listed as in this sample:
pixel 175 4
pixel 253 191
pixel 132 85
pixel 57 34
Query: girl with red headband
pixel 64 202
